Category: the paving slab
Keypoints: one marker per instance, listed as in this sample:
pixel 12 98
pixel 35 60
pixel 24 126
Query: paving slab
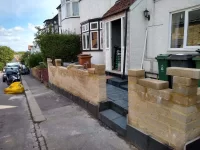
pixel 68 126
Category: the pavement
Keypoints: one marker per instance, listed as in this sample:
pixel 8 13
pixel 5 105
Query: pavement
pixel 68 126
pixel 16 126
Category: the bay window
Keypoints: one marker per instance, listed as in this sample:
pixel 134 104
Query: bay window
pixel 92 38
pixel 185 29
pixel 75 9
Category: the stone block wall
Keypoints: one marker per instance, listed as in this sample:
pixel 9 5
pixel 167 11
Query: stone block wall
pixel 171 116
pixel 90 85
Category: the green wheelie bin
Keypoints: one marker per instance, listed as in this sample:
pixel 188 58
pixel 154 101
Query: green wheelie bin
pixel 163 63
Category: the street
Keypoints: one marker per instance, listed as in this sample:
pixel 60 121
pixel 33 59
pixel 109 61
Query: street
pixel 16 126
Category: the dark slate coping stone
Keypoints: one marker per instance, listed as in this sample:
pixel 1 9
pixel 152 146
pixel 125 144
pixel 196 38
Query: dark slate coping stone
pixel 193 145
pixel 124 87
pixel 115 75
pixel 114 121
pixel 144 141
pixel 116 81
pixel 93 109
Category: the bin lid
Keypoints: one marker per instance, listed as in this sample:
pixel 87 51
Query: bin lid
pixel 163 56
pixel 182 56
pixel 196 58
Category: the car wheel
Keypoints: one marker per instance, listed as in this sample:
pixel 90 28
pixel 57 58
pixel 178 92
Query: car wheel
pixel 4 80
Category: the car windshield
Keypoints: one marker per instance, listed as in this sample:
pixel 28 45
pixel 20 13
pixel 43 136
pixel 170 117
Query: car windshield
pixel 12 69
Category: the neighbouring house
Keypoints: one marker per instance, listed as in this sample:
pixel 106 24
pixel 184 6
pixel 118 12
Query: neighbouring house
pixel 30 47
pixel 68 16
pixel 52 24
pixel 91 13
pixel 35 48
pixel 170 27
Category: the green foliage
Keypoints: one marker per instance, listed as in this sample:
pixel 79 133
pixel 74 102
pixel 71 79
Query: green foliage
pixel 20 53
pixel 59 46
pixel 6 55
pixel 24 58
pixel 1 66
pixel 34 59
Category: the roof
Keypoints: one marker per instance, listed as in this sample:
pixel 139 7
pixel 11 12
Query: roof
pixel 119 6
pixel 59 7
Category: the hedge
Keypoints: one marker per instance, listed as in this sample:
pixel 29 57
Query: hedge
pixel 60 46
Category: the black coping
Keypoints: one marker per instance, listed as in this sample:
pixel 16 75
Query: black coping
pixel 195 145
pixel 117 81
pixel 114 121
pixel 143 141
pixel 93 109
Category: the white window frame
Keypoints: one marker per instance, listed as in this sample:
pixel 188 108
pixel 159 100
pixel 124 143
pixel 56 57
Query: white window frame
pixel 73 10
pixel 186 24
pixel 87 45
pixel 87 27
pixel 83 28
pixel 70 9
pixel 101 40
pixel 107 32
pixel 101 25
pixel 97 40
pixel 94 23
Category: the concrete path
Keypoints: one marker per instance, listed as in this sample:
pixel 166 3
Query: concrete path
pixel 16 126
pixel 68 126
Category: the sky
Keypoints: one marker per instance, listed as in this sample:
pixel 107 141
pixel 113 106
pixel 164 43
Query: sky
pixel 18 19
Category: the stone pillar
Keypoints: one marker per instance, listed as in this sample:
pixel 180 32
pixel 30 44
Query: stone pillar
pixel 58 62
pixel 170 116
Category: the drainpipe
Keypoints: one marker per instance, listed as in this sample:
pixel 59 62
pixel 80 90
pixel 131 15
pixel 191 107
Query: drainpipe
pixel 125 38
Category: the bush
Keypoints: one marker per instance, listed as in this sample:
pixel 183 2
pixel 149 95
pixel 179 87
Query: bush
pixel 60 46
pixel 1 66
pixel 35 59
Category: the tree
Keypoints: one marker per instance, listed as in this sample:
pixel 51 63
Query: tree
pixel 24 58
pixel 6 55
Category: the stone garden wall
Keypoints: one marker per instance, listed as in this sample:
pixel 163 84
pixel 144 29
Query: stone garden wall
pixel 171 116
pixel 90 85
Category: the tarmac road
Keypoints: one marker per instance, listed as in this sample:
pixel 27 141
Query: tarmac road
pixel 15 123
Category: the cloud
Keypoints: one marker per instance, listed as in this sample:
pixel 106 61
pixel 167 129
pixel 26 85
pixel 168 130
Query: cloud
pixel 11 31
pixel 13 38
pixel 18 28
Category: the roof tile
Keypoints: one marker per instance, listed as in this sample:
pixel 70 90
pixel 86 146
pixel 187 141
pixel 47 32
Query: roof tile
pixel 120 6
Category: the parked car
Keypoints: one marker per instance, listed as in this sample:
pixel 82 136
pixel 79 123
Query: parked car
pixel 24 70
pixel 9 70
pixel 12 74
pixel 15 64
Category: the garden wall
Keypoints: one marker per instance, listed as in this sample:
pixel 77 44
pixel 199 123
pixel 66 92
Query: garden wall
pixel 89 85
pixel 40 74
pixel 171 116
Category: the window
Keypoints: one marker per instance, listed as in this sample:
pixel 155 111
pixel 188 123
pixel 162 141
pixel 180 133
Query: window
pixel 193 32
pixel 75 7
pixel 68 10
pixel 85 41
pixel 185 29
pixel 101 25
pixel 94 26
pixel 101 39
pixel 94 40
pixel 107 35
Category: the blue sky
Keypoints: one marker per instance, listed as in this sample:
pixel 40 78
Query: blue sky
pixel 18 19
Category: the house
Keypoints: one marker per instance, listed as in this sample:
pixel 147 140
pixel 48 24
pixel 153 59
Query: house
pixel 35 48
pixel 171 27
pixel 91 13
pixel 68 16
pixel 52 24
pixel 116 36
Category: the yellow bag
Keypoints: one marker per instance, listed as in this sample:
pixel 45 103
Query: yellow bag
pixel 14 88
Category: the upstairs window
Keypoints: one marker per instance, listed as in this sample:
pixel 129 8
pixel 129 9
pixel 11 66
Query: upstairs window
pixel 185 29
pixel 75 8
pixel 70 9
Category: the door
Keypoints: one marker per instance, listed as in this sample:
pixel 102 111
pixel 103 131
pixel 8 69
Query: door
pixel 108 54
